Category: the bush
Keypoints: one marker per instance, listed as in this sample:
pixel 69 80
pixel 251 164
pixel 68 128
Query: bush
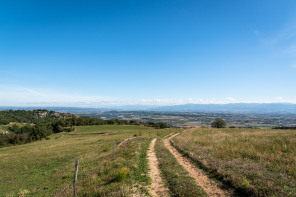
pixel 121 175
pixel 219 123
pixel 2 140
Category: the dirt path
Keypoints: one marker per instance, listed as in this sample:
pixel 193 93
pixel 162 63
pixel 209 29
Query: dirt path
pixel 125 140
pixel 157 186
pixel 167 136
pixel 210 187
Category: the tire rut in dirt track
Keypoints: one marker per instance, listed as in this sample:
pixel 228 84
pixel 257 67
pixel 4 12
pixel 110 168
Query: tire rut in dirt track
pixel 208 185
pixel 157 187
pixel 124 141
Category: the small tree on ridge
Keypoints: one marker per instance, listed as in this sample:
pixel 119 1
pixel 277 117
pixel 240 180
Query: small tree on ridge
pixel 219 123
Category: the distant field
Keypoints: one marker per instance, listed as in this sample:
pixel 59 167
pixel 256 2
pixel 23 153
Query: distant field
pixel 46 168
pixel 259 162
pixel 111 128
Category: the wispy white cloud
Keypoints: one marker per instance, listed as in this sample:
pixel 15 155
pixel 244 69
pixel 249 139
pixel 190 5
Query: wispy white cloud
pixel 231 99
pixel 282 43
pixel 24 96
pixel 279 98
pixel 18 95
pixel 283 100
pixel 285 34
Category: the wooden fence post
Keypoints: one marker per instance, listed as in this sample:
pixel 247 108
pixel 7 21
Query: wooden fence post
pixel 114 150
pixel 75 177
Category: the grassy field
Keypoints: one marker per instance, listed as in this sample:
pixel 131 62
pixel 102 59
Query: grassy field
pixel 252 162
pixel 257 162
pixel 46 168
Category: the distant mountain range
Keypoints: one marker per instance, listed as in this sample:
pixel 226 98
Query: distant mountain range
pixel 232 107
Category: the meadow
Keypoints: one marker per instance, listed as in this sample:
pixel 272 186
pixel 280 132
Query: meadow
pixel 246 162
pixel 253 162
pixel 46 167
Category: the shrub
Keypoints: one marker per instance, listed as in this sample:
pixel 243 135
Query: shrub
pixel 219 123
pixel 121 175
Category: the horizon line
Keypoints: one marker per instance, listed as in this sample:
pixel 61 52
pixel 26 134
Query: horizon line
pixel 139 105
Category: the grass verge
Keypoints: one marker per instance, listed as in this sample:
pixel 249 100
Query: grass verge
pixel 141 174
pixel 125 176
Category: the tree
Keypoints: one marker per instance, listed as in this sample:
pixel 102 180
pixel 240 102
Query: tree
pixel 14 128
pixel 219 123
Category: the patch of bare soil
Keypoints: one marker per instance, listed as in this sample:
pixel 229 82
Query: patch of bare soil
pixel 157 187
pixel 209 186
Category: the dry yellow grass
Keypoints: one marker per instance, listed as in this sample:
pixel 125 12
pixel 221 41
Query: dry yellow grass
pixel 261 162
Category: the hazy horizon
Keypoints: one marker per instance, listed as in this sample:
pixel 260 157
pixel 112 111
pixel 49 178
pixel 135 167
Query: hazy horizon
pixel 148 107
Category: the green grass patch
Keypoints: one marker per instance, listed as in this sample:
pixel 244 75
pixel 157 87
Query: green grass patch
pixel 119 177
pixel 46 167
pixel 141 174
pixel 111 128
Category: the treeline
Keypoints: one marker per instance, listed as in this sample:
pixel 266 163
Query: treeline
pixel 283 127
pixel 25 134
pixel 34 116
pixel 38 130
pixel 158 125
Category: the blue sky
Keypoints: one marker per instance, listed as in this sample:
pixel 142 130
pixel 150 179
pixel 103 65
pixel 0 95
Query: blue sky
pixel 148 52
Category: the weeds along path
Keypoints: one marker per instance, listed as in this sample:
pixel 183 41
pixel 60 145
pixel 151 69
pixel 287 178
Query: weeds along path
pixel 157 186
pixel 210 187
